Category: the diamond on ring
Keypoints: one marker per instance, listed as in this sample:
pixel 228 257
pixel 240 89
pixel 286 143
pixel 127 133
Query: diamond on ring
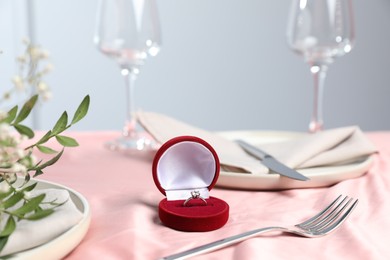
pixel 194 195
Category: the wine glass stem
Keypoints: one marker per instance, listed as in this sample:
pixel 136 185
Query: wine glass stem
pixel 319 75
pixel 130 75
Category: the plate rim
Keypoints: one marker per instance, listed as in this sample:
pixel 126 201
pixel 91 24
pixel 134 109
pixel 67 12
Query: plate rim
pixel 56 248
pixel 234 180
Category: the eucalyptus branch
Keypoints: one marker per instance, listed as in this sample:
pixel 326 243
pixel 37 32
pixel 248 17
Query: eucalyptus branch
pixel 16 203
pixel 60 126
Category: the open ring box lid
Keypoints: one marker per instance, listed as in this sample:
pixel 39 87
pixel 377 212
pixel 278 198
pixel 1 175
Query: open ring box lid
pixel 182 165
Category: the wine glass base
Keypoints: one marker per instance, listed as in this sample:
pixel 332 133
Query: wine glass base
pixel 136 145
pixel 315 127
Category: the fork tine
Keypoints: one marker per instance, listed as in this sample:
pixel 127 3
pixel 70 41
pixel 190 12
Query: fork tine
pixel 332 216
pixel 327 218
pixel 320 214
pixel 337 223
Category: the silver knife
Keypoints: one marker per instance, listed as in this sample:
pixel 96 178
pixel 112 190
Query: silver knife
pixel 271 162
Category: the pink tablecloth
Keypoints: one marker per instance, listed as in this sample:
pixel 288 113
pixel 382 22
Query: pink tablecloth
pixel 125 224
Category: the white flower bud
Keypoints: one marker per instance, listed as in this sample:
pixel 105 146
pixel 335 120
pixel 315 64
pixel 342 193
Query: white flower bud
pixel 4 187
pixel 27 195
pixel 21 59
pixel 20 153
pixel 44 54
pixel 19 168
pixel 49 67
pixel 3 114
pixel 42 86
pixel 22 138
pixel 18 82
pixel 5 128
pixel 34 53
pixel 33 159
pixel 10 177
pixel 47 95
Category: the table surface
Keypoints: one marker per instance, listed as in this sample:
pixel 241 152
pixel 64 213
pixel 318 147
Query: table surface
pixel 125 224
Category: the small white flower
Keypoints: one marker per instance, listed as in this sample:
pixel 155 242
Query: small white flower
pixel 4 187
pixel 5 129
pixel 27 195
pixel 34 52
pixel 19 168
pixel 20 153
pixel 44 54
pixel 33 159
pixel 21 59
pixel 18 82
pixel 10 177
pixel 49 67
pixel 28 161
pixel 22 138
pixel 3 114
pixel 47 95
pixel 42 86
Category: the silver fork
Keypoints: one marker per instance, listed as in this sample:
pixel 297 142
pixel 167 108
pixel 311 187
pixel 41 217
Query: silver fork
pixel 326 221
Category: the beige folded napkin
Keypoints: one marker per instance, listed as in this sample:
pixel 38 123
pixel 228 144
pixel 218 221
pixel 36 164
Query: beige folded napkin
pixel 326 148
pixel 29 234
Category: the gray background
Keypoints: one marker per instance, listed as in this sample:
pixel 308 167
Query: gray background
pixel 224 65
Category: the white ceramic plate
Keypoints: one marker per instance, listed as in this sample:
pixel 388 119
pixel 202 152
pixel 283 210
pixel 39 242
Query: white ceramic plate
pixel 319 176
pixel 59 247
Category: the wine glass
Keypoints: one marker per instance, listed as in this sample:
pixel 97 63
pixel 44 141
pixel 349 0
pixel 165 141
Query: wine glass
pixel 129 32
pixel 320 31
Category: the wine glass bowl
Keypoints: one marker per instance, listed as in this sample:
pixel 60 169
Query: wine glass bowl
pixel 128 32
pixel 320 31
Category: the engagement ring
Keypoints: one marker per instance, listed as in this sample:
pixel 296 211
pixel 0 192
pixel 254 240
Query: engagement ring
pixel 194 195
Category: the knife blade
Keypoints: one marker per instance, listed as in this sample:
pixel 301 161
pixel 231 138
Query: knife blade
pixel 269 161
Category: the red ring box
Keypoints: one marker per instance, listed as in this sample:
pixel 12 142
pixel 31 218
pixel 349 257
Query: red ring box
pixel 182 165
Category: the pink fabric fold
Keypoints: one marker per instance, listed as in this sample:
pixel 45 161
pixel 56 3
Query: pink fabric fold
pixel 125 225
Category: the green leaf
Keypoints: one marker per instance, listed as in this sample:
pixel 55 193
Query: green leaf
pixel 27 178
pixel 31 187
pixel 24 130
pixel 31 205
pixel 5 194
pixel 45 149
pixel 38 172
pixel 50 162
pixel 45 138
pixel 40 214
pixel 82 110
pixel 11 115
pixel 26 109
pixel 61 124
pixel 67 141
pixel 11 201
pixel 38 163
pixel 3 242
pixel 9 227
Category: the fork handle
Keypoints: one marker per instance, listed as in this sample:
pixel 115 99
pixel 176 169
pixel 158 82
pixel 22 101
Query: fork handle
pixel 220 243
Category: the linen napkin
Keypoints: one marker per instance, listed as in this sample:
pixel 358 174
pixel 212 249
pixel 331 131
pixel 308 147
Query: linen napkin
pixel 163 128
pixel 29 234
pixel 330 147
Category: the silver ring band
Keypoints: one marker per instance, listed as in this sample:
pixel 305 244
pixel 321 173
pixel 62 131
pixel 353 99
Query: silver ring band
pixel 194 195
